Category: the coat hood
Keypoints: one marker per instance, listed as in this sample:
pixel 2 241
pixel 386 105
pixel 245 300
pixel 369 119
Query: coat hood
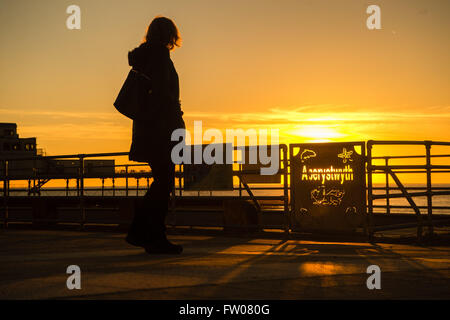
pixel 138 56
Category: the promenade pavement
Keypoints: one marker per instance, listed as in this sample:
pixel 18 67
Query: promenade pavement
pixel 33 265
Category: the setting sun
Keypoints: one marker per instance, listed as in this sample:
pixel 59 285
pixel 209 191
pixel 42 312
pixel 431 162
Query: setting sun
pixel 314 133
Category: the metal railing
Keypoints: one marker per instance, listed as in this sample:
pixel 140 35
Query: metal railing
pixel 393 171
pixel 383 165
pixel 78 172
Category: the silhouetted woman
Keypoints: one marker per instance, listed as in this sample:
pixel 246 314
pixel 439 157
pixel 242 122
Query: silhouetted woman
pixel 151 134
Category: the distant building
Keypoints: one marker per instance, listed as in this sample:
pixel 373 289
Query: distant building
pixel 11 145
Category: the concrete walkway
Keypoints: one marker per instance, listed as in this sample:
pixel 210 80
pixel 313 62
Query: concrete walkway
pixel 33 266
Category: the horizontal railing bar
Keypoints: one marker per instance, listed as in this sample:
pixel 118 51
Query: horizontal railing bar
pixel 380 167
pixel 410 157
pixel 236 188
pixel 398 195
pixel 406 142
pixel 87 175
pixel 412 171
pixel 410 188
pixel 260 197
pixel 412 194
pixel 107 154
pixel 440 143
pixel 409 207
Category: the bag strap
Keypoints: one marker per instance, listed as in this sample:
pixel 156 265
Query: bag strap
pixel 141 74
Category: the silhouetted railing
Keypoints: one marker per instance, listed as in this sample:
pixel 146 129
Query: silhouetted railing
pixel 38 171
pixel 267 197
pixel 393 171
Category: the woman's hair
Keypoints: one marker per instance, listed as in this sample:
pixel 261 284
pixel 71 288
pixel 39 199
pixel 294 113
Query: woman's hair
pixel 163 30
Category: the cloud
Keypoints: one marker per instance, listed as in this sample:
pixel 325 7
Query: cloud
pixel 320 114
pixel 58 114
pixel 342 121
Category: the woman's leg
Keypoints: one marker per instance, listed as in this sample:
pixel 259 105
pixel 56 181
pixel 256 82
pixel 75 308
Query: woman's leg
pixel 156 200
pixel 148 228
pixel 148 225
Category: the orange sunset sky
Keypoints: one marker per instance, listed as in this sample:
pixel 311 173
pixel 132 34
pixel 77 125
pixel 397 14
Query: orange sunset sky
pixel 309 68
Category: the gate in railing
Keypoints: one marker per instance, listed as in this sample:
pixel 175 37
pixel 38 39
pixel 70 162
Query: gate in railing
pixel 328 186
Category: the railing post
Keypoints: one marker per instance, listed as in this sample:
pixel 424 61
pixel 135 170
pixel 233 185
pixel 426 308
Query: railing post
pixel 240 182
pixel 34 177
pixel 369 219
pixel 137 187
pixel 172 198
pixel 286 190
pixel 388 202
pixel 126 180
pixel 5 193
pixel 180 173
pixel 82 204
pixel 113 186
pixel 429 188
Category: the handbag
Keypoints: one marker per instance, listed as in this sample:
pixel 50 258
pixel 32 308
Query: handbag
pixel 134 94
